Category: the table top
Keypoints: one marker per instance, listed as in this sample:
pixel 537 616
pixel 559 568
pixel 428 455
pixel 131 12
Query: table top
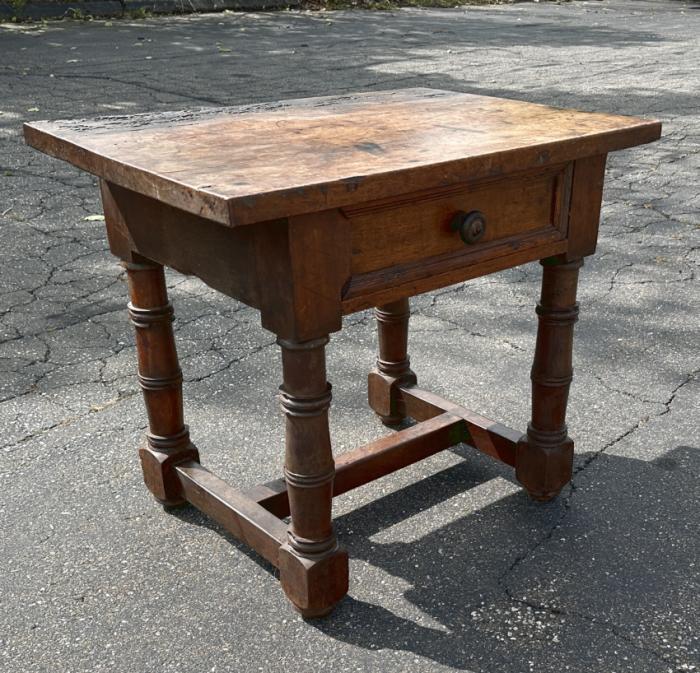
pixel 239 165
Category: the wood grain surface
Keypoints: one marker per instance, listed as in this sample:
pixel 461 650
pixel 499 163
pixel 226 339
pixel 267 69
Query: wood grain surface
pixel 245 164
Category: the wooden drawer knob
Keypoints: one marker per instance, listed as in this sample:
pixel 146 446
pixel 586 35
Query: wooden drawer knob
pixel 471 226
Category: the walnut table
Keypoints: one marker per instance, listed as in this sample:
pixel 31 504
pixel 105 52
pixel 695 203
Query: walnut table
pixel 312 209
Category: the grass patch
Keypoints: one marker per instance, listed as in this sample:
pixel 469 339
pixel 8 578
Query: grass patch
pixel 17 8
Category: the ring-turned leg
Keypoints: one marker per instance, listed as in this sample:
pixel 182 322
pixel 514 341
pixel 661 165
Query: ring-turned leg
pixel 161 381
pixel 313 569
pixel 393 364
pixel 544 456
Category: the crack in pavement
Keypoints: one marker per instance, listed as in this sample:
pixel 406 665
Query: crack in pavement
pixel 570 491
pixel 61 331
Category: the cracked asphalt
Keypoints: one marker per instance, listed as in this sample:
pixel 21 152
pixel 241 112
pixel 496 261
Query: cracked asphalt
pixel 453 568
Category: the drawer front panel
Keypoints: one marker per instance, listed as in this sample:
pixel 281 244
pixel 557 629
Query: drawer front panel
pixel 416 227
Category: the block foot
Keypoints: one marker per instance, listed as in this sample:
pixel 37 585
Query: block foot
pixel 314 586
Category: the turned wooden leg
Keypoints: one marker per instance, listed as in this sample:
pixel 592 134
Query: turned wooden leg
pixel 161 381
pixel 313 569
pixel 544 456
pixel 393 364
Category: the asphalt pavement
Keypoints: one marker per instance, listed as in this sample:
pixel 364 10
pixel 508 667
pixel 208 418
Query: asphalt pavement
pixel 453 568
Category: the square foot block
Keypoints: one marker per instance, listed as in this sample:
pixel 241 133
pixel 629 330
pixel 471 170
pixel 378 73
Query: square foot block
pixel 160 476
pixel 383 397
pixel 543 470
pixel 313 586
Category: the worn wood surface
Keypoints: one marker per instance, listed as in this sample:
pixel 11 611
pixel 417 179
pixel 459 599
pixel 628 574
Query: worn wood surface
pixel 251 163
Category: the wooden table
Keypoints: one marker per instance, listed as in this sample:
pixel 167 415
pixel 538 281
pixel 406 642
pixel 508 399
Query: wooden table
pixel 312 209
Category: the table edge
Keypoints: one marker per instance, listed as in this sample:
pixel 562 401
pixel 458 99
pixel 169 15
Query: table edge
pixel 341 192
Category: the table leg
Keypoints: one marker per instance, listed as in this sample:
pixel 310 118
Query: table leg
pixel 313 569
pixel 544 456
pixel 161 381
pixel 393 364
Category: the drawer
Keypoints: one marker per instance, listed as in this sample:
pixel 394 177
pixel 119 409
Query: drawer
pixel 403 233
